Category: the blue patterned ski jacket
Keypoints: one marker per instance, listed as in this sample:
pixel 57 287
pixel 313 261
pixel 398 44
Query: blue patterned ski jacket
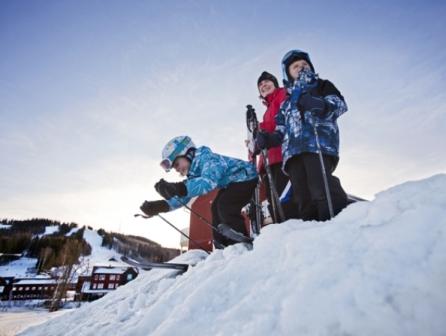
pixel 209 171
pixel 296 127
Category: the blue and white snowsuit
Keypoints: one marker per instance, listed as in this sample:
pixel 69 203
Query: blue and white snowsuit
pixel 299 145
pixel 296 126
pixel 236 180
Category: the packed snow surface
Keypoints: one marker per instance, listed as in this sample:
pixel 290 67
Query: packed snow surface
pixel 378 268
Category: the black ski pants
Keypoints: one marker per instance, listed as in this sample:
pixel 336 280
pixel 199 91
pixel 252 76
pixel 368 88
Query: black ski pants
pixel 308 186
pixel 227 205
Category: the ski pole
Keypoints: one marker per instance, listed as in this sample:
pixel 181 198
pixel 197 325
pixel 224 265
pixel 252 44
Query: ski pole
pixel 173 226
pixel 204 220
pixel 277 206
pixel 324 173
pixel 252 126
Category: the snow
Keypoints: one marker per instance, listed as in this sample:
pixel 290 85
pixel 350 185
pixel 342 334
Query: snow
pixel 378 268
pixel 19 268
pixel 72 231
pixel 35 281
pixel 113 270
pixel 14 322
pixel 99 255
pixel 5 226
pixel 49 230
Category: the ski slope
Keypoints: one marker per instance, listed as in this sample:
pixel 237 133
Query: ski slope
pixel 378 268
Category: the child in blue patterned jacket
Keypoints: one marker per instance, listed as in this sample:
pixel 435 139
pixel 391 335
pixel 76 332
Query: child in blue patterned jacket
pixel 306 124
pixel 205 171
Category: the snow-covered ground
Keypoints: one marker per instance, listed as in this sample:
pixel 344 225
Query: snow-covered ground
pixel 11 323
pixel 378 268
pixel 23 267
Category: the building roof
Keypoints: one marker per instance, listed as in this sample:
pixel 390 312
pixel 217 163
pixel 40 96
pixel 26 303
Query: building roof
pixel 110 270
pixel 32 281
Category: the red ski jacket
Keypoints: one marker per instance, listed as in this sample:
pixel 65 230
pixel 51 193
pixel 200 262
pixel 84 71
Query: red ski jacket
pixel 272 102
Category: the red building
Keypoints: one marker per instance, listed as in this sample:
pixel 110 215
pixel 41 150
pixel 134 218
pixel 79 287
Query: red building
pixel 103 280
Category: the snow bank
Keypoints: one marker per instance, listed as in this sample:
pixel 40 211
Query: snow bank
pixel 378 268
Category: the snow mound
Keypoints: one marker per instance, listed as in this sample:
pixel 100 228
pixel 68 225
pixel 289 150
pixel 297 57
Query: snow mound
pixel 378 268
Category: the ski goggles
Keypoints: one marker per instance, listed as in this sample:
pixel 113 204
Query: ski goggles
pixel 166 164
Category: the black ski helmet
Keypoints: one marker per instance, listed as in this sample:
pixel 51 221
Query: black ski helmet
pixel 291 57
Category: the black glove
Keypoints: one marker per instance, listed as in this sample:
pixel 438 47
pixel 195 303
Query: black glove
pixel 316 105
pixel 153 208
pixel 267 140
pixel 169 190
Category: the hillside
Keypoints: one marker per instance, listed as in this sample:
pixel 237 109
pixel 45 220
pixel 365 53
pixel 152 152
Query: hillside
pixel 378 268
pixel 31 239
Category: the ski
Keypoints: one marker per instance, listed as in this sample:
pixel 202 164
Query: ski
pixel 233 235
pixel 148 265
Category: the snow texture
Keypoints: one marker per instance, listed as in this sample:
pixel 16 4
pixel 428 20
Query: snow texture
pixel 23 267
pixel 49 230
pixel 378 268
pixel 15 321
pixel 100 255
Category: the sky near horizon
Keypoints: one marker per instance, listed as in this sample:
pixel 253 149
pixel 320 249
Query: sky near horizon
pixel 90 91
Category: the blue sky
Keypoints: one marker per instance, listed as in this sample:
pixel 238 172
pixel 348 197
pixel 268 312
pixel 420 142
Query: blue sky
pixel 90 91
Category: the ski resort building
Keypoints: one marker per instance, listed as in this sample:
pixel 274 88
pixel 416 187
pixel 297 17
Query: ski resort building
pixel 32 289
pixel 103 280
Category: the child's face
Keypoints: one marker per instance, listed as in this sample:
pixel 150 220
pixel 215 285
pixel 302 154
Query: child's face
pixel 181 165
pixel 266 87
pixel 296 67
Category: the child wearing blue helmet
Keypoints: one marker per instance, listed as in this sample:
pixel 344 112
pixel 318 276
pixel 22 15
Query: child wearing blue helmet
pixel 308 132
pixel 205 171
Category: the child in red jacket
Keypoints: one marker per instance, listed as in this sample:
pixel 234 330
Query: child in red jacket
pixel 272 96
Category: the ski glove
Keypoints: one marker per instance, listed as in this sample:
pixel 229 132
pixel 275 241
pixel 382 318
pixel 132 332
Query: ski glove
pixel 316 105
pixel 169 190
pixel 153 208
pixel 266 140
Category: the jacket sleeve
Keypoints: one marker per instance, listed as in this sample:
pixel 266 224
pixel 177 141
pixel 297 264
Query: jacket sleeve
pixel 196 186
pixel 280 121
pixel 336 105
pixel 177 202
pixel 213 170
